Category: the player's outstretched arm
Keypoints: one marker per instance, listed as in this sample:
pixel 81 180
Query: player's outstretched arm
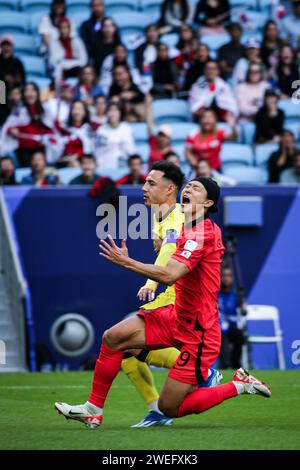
pixel 163 274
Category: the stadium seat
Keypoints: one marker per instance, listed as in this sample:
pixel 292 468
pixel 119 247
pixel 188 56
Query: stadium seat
pixel 79 17
pixel 291 110
pixel 35 6
pixel 247 132
pixel 237 154
pixel 215 41
pixel 67 174
pixel 181 130
pixel 115 173
pixel 150 6
pixel 251 4
pixel 25 44
pixel 265 5
pixel 245 174
pixel 8 5
pixel 169 111
pixel 118 6
pixel 140 132
pixel 21 173
pixel 250 20
pixel 131 22
pixel 178 147
pixel 34 66
pixel 143 150
pixel 262 153
pixel 41 82
pixel 34 22
pixel 170 39
pixel 78 6
pixel 14 22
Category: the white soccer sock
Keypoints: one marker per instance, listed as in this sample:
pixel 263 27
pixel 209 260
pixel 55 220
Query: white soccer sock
pixel 93 409
pixel 240 387
pixel 153 406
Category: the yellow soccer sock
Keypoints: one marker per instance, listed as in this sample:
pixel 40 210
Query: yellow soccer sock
pixel 141 377
pixel 163 357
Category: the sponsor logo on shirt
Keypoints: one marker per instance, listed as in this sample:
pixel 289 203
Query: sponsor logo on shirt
pixel 186 254
pixel 190 245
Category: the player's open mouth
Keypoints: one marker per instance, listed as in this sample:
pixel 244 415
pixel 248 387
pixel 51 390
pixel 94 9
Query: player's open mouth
pixel 185 199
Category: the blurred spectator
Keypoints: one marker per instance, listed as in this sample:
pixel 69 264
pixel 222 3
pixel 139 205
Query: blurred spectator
pixel 76 135
pixel 287 71
pixel 58 109
pixel 88 87
pixel 271 44
pixel 211 14
pixel 164 74
pixel 105 189
pixel 172 157
pixel 106 40
pixel 269 120
pixel 292 175
pixel 113 141
pixel 233 336
pixel 160 143
pixel 173 14
pixel 99 116
pixel 135 176
pixel 40 175
pixel 127 94
pixel 146 53
pixel 67 54
pixel 250 94
pixel 187 48
pixel 12 71
pixel 30 127
pixel 196 69
pixel 203 169
pixel 48 27
pixel 206 143
pixel 211 91
pixel 291 25
pixel 252 54
pixel 90 27
pixel 283 158
pixel 88 167
pixel 7 172
pixel 13 105
pixel 231 52
pixel 119 57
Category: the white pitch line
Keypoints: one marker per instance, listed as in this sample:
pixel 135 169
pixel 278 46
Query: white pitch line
pixel 48 387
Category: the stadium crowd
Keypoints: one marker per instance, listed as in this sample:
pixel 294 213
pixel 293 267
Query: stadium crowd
pixel 209 85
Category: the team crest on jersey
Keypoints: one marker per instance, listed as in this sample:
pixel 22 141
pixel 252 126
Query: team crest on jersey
pixel 190 245
pixel 186 254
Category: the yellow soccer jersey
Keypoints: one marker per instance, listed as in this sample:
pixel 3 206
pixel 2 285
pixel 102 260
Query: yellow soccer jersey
pixel 165 234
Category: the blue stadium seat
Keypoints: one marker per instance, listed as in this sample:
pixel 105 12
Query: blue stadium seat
pixel 131 22
pixel 140 132
pixel 21 173
pixel 34 66
pixel 41 82
pixel 118 6
pixel 233 154
pixel 254 19
pixel 178 148
pixel 181 130
pixel 143 150
pixel 215 41
pixel 224 126
pixel 170 39
pixel 8 5
pixel 262 153
pixel 291 110
pixel 34 21
pixel 246 175
pixel 265 5
pixel 248 132
pixel 14 22
pixel 115 173
pixel 25 44
pixel 251 4
pixel 79 17
pixel 78 6
pixel 35 6
pixel 150 6
pixel 67 174
pixel 169 111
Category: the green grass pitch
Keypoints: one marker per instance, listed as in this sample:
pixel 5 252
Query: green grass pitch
pixel 28 419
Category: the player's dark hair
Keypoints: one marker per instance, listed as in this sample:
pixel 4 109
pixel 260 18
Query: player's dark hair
pixel 134 156
pixel 171 172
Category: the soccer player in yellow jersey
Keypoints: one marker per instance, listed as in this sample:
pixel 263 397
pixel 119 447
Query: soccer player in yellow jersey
pixel 160 194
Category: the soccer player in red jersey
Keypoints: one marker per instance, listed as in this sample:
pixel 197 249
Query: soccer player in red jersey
pixel 191 325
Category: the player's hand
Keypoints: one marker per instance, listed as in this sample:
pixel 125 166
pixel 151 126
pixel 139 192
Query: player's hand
pixel 113 252
pixel 145 294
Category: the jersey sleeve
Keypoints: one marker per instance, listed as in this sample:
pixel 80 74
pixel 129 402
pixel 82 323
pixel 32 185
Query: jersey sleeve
pixel 191 250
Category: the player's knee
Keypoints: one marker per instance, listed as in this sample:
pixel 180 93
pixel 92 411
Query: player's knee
pixel 167 408
pixel 110 338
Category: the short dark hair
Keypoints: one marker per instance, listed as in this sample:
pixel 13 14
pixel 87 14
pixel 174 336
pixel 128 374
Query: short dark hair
pixel 89 156
pixel 171 172
pixel 7 157
pixel 171 153
pixel 134 156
